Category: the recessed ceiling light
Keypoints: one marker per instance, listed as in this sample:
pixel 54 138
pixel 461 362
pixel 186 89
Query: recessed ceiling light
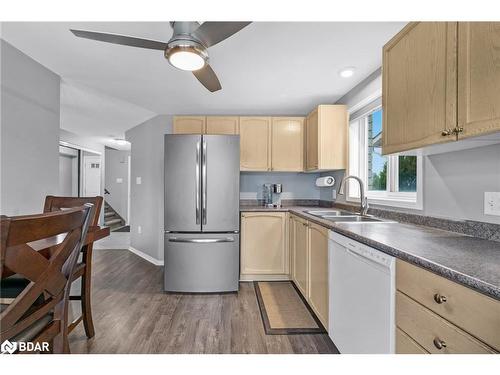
pixel 347 72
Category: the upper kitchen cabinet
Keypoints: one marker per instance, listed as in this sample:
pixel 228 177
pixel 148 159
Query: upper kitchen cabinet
pixel 419 86
pixel 189 125
pixel 478 78
pixel 255 143
pixel 326 138
pixel 222 125
pixel 441 83
pixel 287 145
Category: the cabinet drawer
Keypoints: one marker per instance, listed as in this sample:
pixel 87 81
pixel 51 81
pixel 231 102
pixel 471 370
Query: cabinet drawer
pixel 406 345
pixel 432 332
pixel 475 313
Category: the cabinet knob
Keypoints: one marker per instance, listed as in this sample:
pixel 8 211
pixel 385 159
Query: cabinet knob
pixel 439 298
pixel 439 344
pixel 447 132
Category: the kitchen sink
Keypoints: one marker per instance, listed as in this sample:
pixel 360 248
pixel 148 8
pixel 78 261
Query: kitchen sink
pixel 355 219
pixel 331 213
pixel 340 216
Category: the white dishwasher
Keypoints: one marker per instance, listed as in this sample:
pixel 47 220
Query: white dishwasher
pixel 362 297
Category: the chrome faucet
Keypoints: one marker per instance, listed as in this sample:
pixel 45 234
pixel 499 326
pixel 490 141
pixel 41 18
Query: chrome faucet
pixel 363 206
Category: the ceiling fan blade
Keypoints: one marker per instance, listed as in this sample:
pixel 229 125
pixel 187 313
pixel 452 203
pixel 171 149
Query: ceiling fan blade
pixel 208 78
pixel 211 33
pixel 120 39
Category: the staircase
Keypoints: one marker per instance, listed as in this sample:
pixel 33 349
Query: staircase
pixel 112 219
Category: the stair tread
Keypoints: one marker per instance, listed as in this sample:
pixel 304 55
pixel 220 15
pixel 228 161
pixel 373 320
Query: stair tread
pixel 112 221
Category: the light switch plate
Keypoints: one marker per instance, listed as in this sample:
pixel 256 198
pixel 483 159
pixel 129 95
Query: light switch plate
pixel 334 194
pixel 119 180
pixel 492 203
pixel 138 180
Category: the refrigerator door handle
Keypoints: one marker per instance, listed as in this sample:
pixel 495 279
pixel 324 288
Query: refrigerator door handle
pixel 204 183
pixel 197 177
pixel 201 240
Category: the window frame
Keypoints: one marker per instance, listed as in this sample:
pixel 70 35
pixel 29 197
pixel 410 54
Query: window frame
pixel 358 166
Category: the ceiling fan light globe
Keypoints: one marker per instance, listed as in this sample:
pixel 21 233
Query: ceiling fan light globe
pixel 186 60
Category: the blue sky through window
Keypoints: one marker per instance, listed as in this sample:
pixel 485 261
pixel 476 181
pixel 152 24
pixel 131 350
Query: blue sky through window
pixel 378 160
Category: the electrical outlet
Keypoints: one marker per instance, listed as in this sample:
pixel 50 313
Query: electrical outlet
pixel 139 229
pixel 138 180
pixel 119 180
pixel 492 203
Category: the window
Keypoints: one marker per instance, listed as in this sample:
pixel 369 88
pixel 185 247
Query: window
pixel 389 180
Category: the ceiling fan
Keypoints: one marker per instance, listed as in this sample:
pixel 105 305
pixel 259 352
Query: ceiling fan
pixel 186 50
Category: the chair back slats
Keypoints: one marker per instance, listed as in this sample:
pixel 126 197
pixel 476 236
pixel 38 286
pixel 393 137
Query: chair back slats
pixel 54 203
pixel 49 276
pixel 37 227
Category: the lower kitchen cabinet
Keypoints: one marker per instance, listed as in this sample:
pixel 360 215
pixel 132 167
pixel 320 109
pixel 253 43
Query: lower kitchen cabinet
pixel 318 271
pixel 298 250
pixel 264 247
pixel 442 316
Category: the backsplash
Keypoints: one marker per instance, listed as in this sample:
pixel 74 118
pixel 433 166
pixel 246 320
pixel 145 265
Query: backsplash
pixel 295 185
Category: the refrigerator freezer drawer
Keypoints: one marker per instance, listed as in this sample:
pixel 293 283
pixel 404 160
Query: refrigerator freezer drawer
pixel 201 262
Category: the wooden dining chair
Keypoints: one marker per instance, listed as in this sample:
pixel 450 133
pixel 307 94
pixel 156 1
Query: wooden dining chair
pixel 83 268
pixel 38 254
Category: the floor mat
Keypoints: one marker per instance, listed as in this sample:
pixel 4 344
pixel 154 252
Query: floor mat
pixel 283 310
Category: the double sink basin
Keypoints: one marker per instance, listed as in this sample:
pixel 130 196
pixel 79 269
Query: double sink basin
pixel 341 216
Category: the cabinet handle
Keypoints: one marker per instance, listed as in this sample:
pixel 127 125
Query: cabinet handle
pixel 439 298
pixel 439 344
pixel 447 132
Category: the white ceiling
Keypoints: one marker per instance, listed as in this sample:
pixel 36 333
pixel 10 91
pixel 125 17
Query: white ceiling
pixel 267 68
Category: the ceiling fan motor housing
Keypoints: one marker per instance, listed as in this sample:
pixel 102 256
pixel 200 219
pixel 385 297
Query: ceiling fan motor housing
pixel 185 43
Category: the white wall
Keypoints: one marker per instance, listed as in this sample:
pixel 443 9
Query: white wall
pixel 29 133
pixel 146 199
pixel 453 183
pixel 117 169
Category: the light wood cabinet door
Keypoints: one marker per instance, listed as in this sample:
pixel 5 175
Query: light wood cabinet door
pixel 287 145
pixel 189 125
pixel 318 271
pixel 264 249
pixel 326 138
pixel 419 86
pixel 255 143
pixel 311 149
pixel 478 78
pixel 222 125
pixel 299 265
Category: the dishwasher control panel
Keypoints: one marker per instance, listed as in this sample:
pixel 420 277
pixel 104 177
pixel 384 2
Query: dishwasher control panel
pixel 361 249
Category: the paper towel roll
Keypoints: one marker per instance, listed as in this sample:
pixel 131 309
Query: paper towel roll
pixel 325 181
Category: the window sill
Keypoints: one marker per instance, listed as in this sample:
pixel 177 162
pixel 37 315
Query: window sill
pixel 389 201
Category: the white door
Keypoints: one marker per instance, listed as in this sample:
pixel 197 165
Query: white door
pixel 91 176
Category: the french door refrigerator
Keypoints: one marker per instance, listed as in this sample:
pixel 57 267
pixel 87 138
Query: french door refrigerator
pixel 202 178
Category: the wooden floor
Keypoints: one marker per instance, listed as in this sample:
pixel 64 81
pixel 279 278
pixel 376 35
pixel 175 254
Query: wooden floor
pixel 132 314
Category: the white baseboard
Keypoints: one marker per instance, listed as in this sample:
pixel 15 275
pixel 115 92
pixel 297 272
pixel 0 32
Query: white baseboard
pixel 145 256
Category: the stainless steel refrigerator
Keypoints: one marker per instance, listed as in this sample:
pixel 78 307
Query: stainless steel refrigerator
pixel 202 178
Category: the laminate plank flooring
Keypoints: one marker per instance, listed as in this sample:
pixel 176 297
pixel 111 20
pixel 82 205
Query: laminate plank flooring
pixel 132 314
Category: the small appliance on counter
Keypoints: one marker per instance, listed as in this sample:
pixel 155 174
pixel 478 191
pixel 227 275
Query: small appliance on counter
pixel 277 189
pixel 267 195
